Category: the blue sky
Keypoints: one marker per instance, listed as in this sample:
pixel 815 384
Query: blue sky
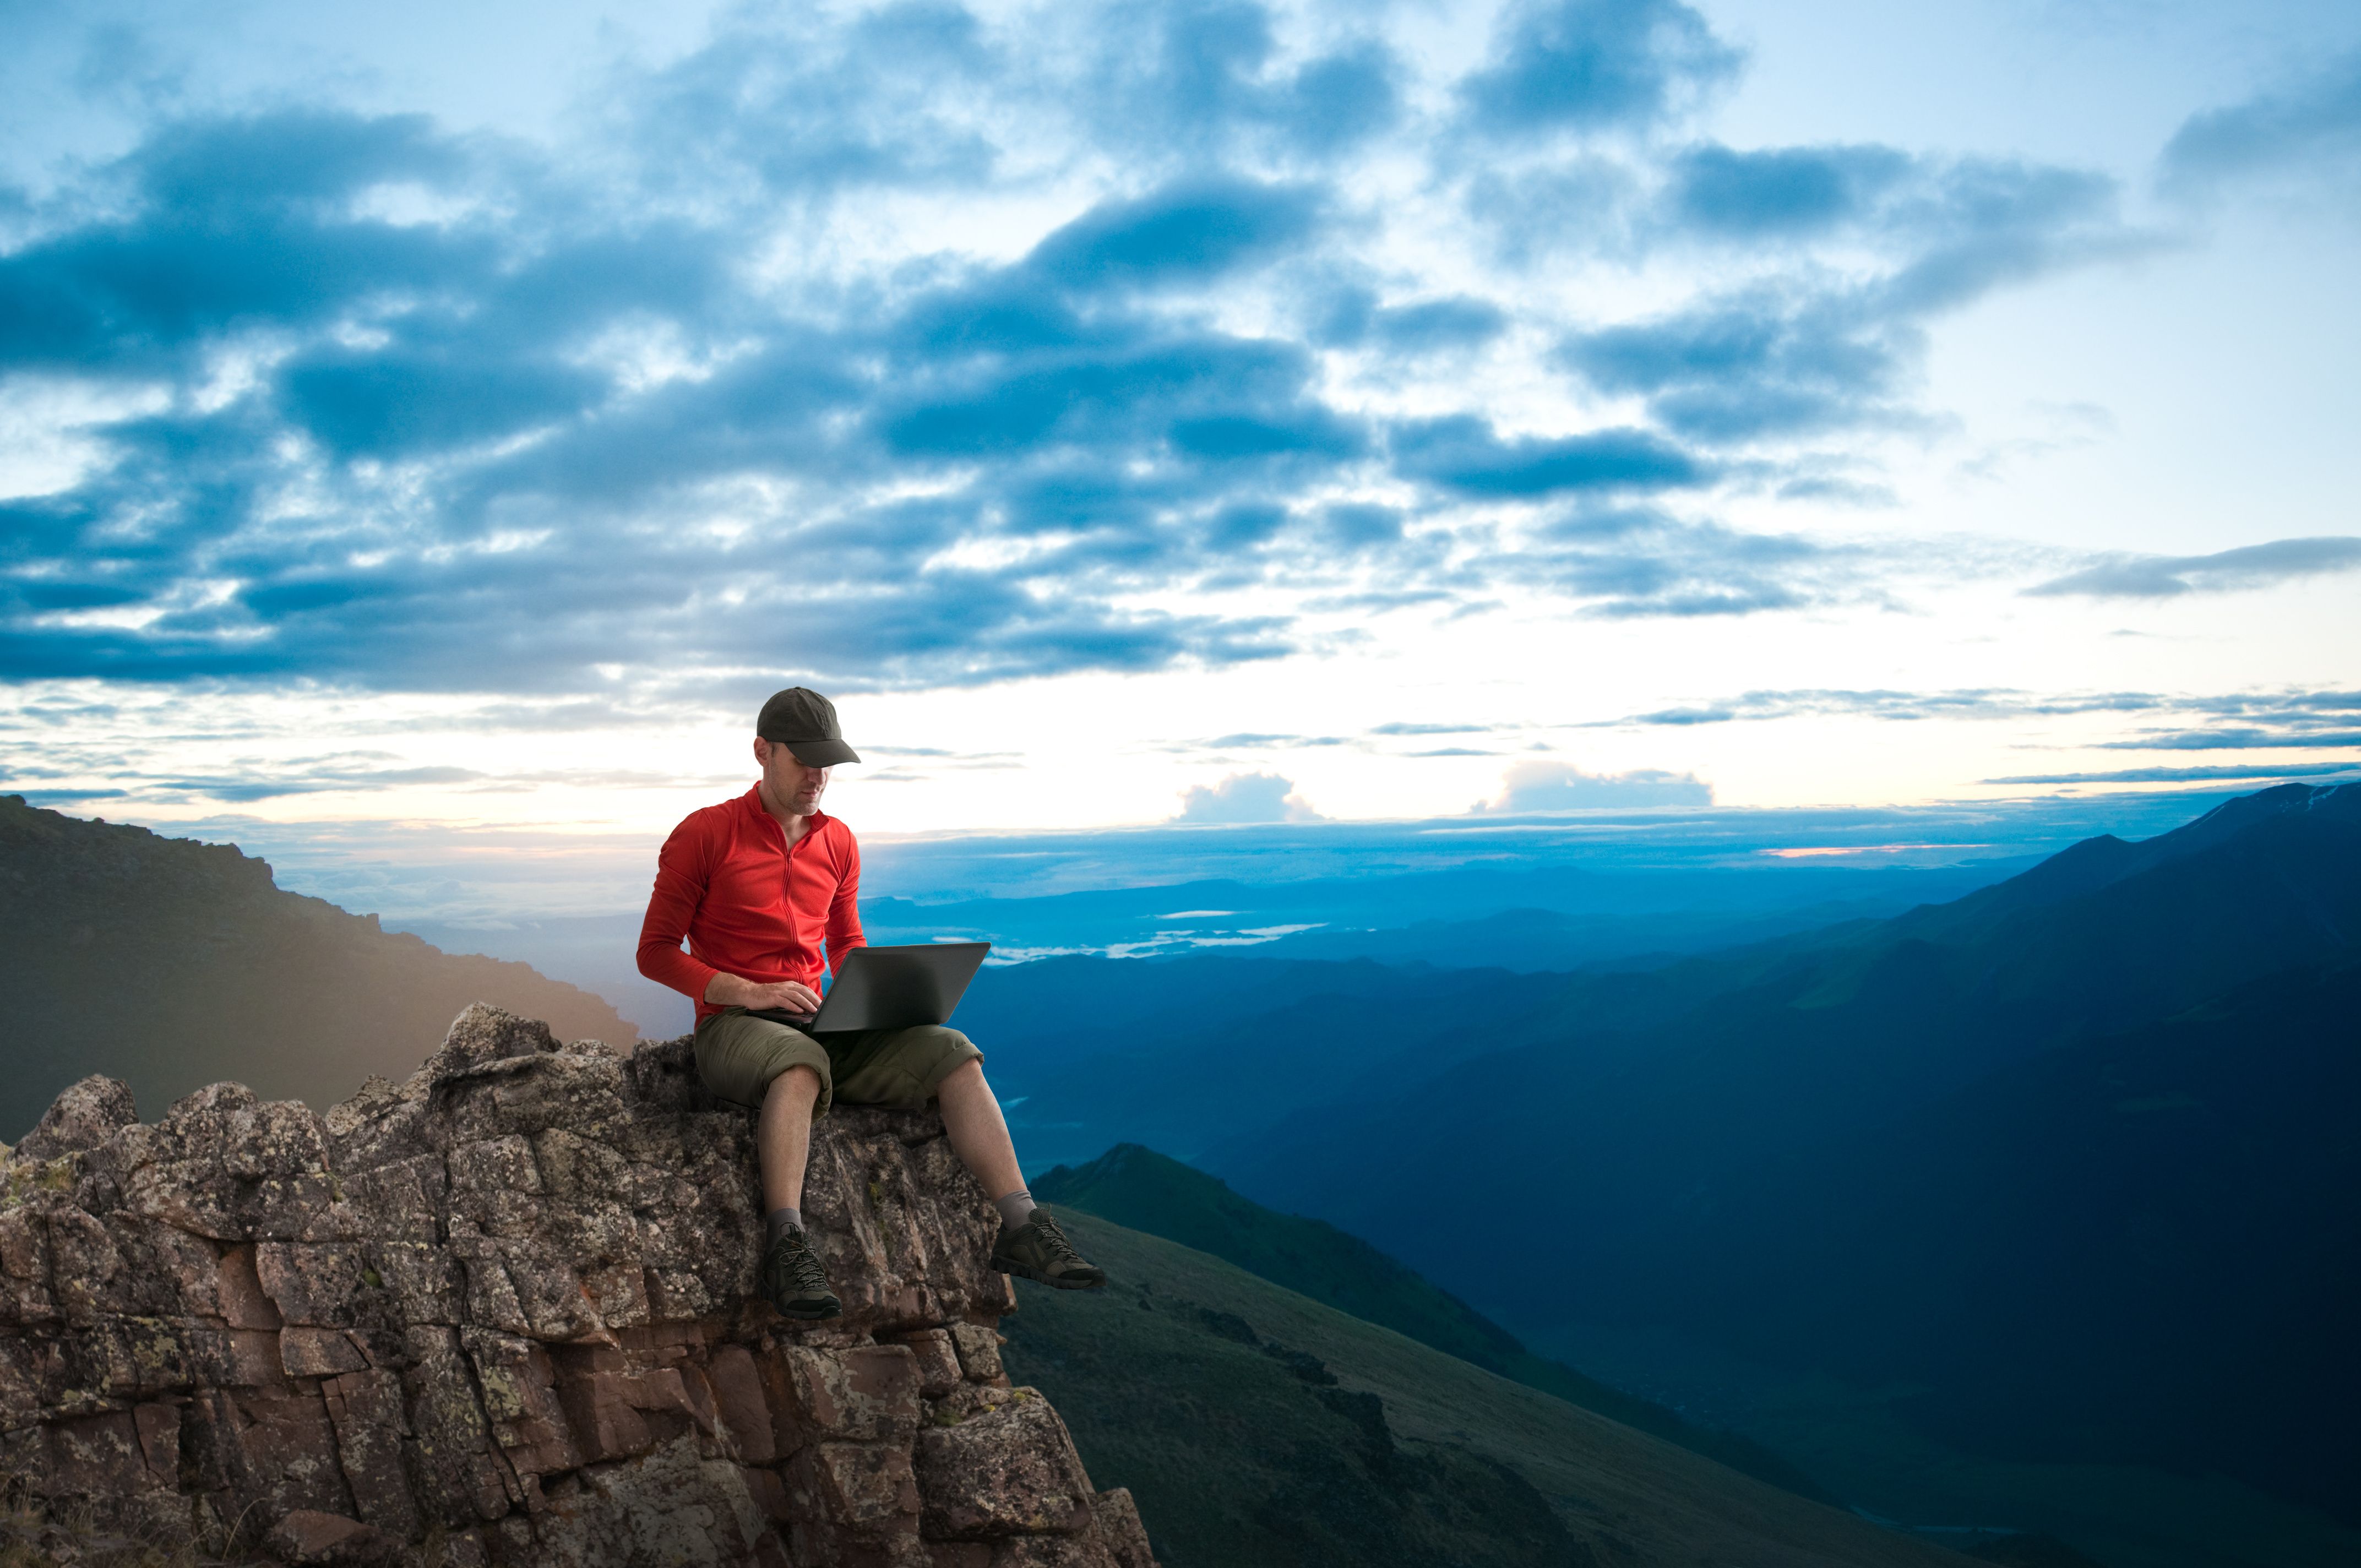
pixel 460 417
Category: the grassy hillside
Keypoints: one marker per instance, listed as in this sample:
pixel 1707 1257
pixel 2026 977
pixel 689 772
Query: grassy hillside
pixel 172 964
pixel 1140 1189
pixel 1258 1427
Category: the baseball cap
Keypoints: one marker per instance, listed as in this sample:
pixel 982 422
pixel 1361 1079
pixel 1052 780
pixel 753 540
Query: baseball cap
pixel 805 723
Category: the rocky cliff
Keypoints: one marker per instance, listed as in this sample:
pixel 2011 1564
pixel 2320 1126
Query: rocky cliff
pixel 504 1314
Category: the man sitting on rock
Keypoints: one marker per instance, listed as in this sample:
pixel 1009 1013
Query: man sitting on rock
pixel 759 885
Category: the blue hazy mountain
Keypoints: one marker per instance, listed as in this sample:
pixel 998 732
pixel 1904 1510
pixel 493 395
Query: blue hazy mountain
pixel 2072 1152
pixel 2142 1246
pixel 1551 913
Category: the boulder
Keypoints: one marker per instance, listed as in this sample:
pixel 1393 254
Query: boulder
pixel 505 1313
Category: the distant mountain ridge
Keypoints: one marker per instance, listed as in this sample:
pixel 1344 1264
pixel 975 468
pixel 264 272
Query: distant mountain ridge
pixel 172 964
pixel 1661 1143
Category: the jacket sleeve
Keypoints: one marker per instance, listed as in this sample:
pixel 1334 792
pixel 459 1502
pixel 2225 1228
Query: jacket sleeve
pixel 844 910
pixel 683 868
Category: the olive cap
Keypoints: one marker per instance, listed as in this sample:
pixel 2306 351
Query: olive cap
pixel 805 723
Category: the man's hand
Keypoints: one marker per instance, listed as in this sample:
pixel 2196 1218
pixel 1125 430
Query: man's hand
pixel 782 996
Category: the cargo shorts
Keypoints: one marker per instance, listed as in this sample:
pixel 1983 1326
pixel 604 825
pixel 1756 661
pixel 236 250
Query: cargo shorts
pixel 739 1053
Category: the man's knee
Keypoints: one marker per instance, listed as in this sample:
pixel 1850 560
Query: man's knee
pixel 796 1083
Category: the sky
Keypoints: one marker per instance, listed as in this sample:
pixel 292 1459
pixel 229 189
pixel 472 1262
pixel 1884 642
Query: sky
pixel 442 426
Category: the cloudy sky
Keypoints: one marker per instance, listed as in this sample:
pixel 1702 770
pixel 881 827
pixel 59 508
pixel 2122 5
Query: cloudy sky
pixel 457 418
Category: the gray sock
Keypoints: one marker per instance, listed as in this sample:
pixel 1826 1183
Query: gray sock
pixel 1016 1208
pixel 779 1222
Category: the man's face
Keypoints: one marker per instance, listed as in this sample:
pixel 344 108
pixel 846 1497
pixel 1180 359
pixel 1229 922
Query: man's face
pixel 794 786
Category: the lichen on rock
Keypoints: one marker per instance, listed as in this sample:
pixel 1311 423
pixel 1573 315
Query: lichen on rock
pixel 504 1313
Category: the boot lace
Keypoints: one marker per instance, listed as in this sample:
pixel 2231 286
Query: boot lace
pixel 1053 1240
pixel 794 1256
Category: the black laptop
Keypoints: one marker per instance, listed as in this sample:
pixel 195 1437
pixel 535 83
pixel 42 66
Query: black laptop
pixel 892 988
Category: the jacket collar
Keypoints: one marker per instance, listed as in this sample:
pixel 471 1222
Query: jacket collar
pixel 751 801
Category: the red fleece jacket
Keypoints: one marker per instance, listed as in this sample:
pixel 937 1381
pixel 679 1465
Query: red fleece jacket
pixel 747 904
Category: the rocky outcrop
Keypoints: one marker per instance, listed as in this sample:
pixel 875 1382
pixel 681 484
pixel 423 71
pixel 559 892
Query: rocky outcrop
pixel 504 1314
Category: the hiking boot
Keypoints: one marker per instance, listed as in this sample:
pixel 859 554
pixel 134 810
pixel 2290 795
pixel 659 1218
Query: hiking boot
pixel 1038 1250
pixel 795 1282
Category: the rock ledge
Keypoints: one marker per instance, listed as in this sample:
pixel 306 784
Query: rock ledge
pixel 504 1313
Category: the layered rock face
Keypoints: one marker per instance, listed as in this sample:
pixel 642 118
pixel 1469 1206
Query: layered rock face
pixel 505 1313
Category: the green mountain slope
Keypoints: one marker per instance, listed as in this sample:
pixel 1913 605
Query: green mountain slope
pixel 1258 1427
pixel 1144 1190
pixel 172 964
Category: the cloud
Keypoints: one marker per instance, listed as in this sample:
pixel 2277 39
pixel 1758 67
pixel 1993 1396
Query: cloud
pixel 1779 192
pixel 1188 80
pixel 1813 350
pixel 2236 738
pixel 1190 232
pixel 2291 718
pixel 1250 742
pixel 2180 775
pixel 1589 65
pixel 1637 564
pixel 2226 571
pixel 912 346
pixel 1561 786
pixel 1462 453
pixel 1246 797
pixel 789 103
pixel 1974 702
pixel 1416 328
pixel 2313 124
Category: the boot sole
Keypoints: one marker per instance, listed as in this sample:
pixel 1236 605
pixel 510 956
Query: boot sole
pixel 1007 1267
pixel 809 1315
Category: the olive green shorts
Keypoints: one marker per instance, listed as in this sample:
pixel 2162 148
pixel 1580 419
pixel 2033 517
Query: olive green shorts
pixel 738 1053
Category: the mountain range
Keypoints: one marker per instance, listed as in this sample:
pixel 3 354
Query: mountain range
pixel 2069 1156
pixel 172 964
pixel 2034 1209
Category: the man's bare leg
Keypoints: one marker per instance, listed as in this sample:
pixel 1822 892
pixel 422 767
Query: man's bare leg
pixel 791 1276
pixel 1030 1242
pixel 979 1134
pixel 784 1136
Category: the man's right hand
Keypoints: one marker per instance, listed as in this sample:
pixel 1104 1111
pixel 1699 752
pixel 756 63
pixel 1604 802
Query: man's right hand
pixel 782 996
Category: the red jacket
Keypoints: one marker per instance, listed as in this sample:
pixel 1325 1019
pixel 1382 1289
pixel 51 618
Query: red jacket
pixel 747 905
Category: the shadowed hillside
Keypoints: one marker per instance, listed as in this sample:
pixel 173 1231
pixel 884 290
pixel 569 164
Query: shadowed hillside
pixel 2144 1246
pixel 1257 1427
pixel 172 964
pixel 1142 1189
pixel 1737 1054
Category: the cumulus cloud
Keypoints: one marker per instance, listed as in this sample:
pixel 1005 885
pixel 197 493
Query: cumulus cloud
pixel 2294 718
pixel 1540 786
pixel 2180 775
pixel 1584 65
pixel 2312 125
pixel 1246 797
pixel 690 395
pixel 1802 351
pixel 2167 577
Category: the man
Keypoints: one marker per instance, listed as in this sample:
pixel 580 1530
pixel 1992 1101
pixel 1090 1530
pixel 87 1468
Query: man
pixel 761 885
